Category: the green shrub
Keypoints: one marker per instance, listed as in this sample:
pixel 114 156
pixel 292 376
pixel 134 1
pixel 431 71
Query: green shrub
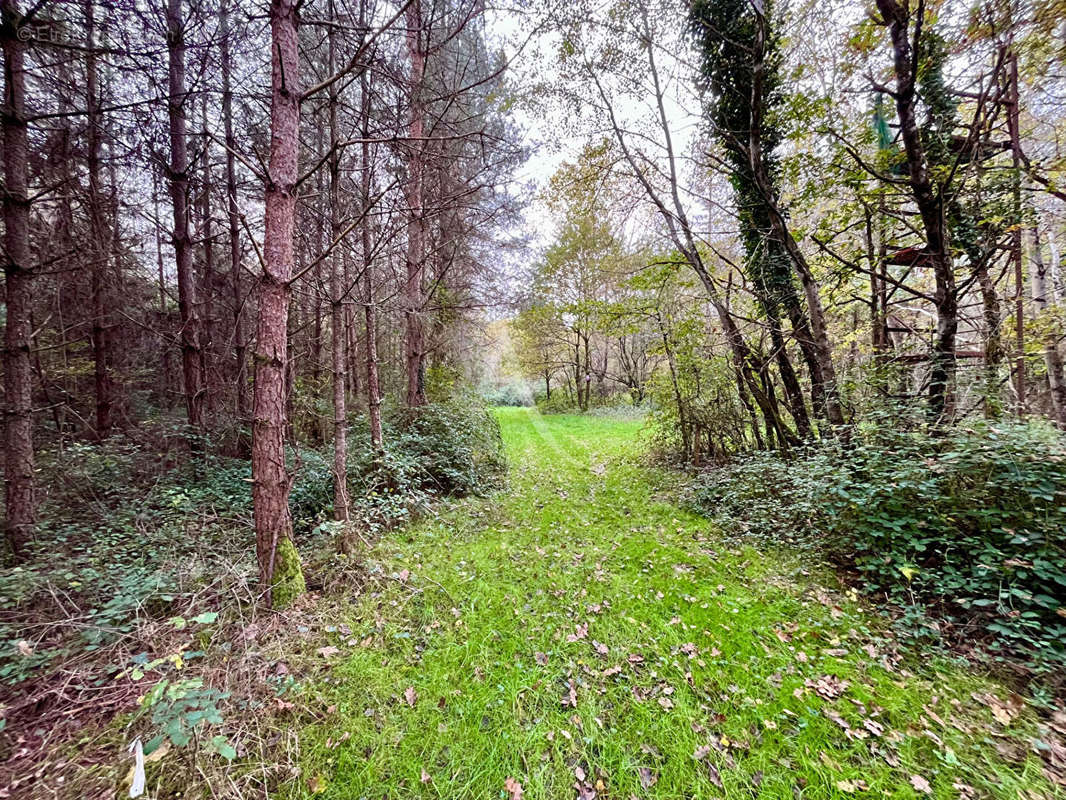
pixel 622 408
pixel 456 444
pixel 560 403
pixel 512 393
pixel 970 525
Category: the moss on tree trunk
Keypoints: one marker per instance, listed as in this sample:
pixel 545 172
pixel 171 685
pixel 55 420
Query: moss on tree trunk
pixel 288 581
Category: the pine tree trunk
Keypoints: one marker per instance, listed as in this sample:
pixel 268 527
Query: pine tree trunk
pixel 209 345
pixel 100 336
pixel 20 492
pixel 280 575
pixel 240 346
pixel 416 227
pixel 1016 239
pixel 188 306
pixel 373 386
pixel 339 329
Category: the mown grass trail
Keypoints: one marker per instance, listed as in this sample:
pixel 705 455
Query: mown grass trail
pixel 581 635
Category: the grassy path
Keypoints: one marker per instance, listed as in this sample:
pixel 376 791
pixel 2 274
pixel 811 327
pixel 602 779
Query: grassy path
pixel 581 635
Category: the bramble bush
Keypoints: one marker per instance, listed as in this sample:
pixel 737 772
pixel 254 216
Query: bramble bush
pixel 969 525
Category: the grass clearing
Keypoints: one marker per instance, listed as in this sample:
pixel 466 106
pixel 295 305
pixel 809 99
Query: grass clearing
pixel 581 634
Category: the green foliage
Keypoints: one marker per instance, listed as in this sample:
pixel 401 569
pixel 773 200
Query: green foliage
pixel 695 399
pixel 512 393
pixel 559 403
pixel 442 380
pixel 448 448
pixel 970 526
pixel 128 535
pixel 179 709
pixel 456 445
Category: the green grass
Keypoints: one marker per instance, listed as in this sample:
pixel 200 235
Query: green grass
pixel 710 651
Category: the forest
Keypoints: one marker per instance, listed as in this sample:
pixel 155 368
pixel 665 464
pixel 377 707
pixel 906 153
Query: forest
pixel 622 399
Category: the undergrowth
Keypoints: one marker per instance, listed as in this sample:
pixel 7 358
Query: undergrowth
pixel 145 559
pixel 965 533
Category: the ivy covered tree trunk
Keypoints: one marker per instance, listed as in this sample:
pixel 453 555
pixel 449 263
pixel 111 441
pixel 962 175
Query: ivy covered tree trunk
pixel 280 575
pixel 739 67
pixel 19 490
pixel 931 210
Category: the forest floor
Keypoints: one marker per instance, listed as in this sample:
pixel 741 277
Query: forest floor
pixel 581 635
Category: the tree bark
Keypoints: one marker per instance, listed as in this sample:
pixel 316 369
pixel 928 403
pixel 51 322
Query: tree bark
pixel 1055 269
pixel 1016 239
pixel 416 226
pixel 1056 382
pixel 990 312
pixel 19 489
pixel 280 575
pixel 338 333
pixel 240 346
pixel 188 305
pixel 100 336
pixel 1052 357
pixel 209 280
pixel 789 381
pixel 373 385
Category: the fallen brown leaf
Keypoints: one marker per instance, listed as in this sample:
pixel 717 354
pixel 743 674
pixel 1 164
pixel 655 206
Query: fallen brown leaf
pixel 921 784
pixel 513 789
pixel 647 777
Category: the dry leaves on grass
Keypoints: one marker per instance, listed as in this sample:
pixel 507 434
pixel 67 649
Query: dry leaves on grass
pixel 828 687
pixel 1005 712
pixel 570 698
pixel 580 632
pixel 850 786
